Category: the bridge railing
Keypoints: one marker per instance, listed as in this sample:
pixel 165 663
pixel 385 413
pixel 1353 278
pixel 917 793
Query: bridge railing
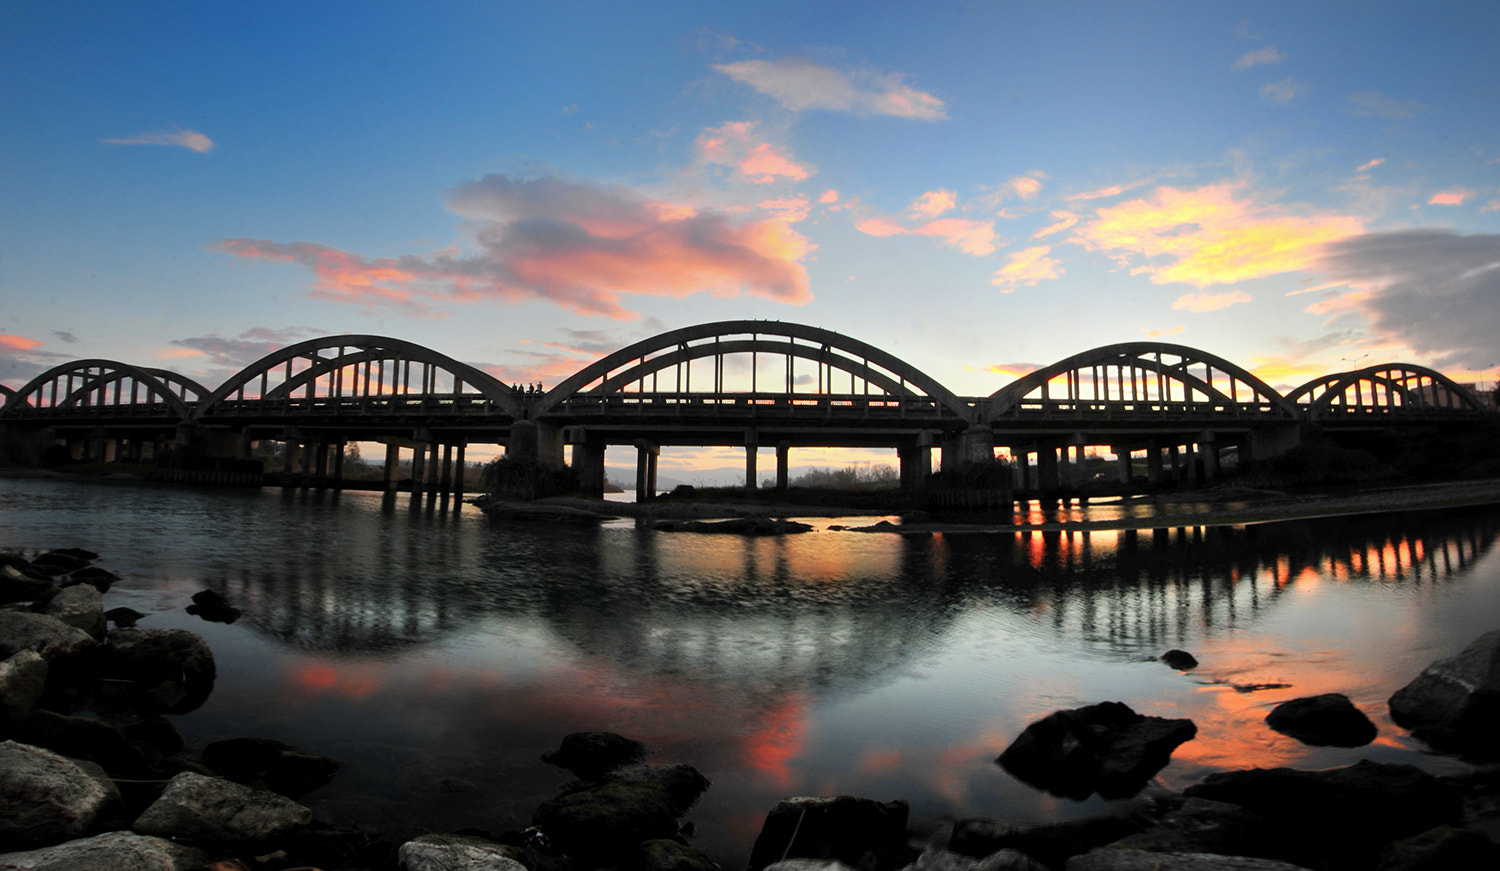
pixel 809 404
pixel 1138 409
pixel 403 404
pixel 96 411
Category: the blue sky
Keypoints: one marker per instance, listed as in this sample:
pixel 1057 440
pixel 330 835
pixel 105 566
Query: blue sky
pixel 980 188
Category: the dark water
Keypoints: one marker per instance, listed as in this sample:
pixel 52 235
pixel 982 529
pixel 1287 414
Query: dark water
pixel 440 652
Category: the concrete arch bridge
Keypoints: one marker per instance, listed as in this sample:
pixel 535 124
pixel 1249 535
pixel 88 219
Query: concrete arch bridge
pixel 749 384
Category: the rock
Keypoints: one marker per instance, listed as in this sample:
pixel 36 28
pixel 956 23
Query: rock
pixel 1200 825
pixel 735 526
pixel 682 784
pixel 663 854
pixel 81 607
pixel 99 579
pixel 60 562
pixel 1440 849
pixel 115 851
pixel 933 859
pixel 591 755
pixel 213 607
pixel 170 670
pixel 1338 818
pixel 1179 659
pixel 49 636
pixel 1049 843
pixel 1106 748
pixel 19 584
pixel 1326 720
pixel 282 767
pixel 1143 860
pixel 49 798
pixel 125 618
pixel 23 677
pixel 456 853
pixel 1455 702
pixel 77 738
pixel 808 865
pixel 212 810
pixel 617 813
pixel 845 828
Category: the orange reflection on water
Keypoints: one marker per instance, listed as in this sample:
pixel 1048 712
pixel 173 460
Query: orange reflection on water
pixel 770 749
pixel 318 679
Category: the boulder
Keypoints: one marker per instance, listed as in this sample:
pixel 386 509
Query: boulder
pixel 60 562
pixel 116 851
pixel 664 854
pixel 845 828
pixel 934 859
pixel 1110 859
pixel 614 815
pixel 49 798
pixel 1200 825
pixel 1105 748
pixel 213 607
pixel 282 767
pixel 456 853
pixel 807 865
pixel 1049 843
pixel 1179 659
pixel 167 670
pixel 1455 702
pixel 1326 720
pixel 212 810
pixel 81 607
pixel 77 738
pixel 1440 849
pixel 49 636
pixel 591 755
pixel 23 677
pixel 124 618
pixel 99 579
pixel 1340 818
pixel 20 584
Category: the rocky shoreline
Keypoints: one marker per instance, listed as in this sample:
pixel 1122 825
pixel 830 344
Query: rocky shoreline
pixel 94 776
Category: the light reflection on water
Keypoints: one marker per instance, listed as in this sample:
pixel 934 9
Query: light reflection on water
pixel 440 652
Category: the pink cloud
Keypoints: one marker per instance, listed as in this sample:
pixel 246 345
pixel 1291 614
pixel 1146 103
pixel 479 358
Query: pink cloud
pixel 1370 164
pixel 1450 197
pixel 789 209
pixel 829 197
pixel 1026 268
pixel 932 204
pixel 800 85
pixel 736 145
pixel 578 246
pixel 1198 301
pixel 969 236
pixel 1024 186
pixel 18 343
pixel 1065 220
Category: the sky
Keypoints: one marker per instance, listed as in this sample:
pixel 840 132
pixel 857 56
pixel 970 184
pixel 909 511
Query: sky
pixel 980 189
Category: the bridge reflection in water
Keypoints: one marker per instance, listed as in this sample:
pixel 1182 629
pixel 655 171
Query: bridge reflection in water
pixel 828 662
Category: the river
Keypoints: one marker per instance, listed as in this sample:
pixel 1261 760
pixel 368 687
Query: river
pixel 440 652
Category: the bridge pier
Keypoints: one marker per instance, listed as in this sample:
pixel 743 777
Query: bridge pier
pixel 783 452
pixel 916 462
pixel 1122 460
pixel 537 442
pixel 752 446
pixel 392 463
pixel 418 467
pixel 588 460
pixel 645 469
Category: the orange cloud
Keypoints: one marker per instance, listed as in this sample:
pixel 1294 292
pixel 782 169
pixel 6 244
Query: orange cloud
pixel 1026 268
pixel 789 209
pixel 969 236
pixel 735 145
pixel 579 246
pixel 1198 301
pixel 1024 186
pixel 1065 220
pixel 1451 197
pixel 1157 334
pixel 1209 236
pixel 18 343
pixel 932 204
pixel 829 197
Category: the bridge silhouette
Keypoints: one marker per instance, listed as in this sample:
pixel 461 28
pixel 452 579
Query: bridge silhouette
pixel 749 384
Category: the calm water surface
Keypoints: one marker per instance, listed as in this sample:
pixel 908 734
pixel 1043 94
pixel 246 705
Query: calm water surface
pixel 439 653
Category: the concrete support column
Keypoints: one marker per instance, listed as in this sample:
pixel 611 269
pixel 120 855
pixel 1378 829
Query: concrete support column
pixel 418 467
pixel 1174 455
pixel 447 480
pixel 434 468
pixel 321 463
pixel 1153 464
pixel 392 463
pixel 752 445
pixel 339 448
pixel 1046 469
pixel 1209 450
pixel 645 469
pixel 783 456
pixel 916 463
pixel 537 442
pixel 458 470
pixel 1122 458
pixel 588 460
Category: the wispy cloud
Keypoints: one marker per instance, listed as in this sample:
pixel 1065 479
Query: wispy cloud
pixel 237 352
pixel 1259 57
pixel 1451 197
pixel 801 85
pixel 1065 220
pixel 1211 235
pixel 969 236
pixel 1431 290
pixel 1373 104
pixel 1026 268
pixel 9 342
pixel 1198 301
pixel 737 145
pixel 579 246
pixel 1369 164
pixel 190 139
pixel 65 336
pixel 932 204
pixel 1283 91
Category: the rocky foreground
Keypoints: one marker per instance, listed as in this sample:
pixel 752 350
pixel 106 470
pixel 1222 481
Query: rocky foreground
pixel 93 777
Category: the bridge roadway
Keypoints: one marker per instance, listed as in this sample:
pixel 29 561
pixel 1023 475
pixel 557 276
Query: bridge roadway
pixel 750 384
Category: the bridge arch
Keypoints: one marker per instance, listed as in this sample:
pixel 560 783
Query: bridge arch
pixel 1388 388
pixel 104 384
pixel 1141 377
pixel 871 371
pixel 357 366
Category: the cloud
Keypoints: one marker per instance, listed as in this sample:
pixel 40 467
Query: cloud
pixel 790 209
pixel 1065 220
pixel 1373 104
pixel 1451 197
pixel 1025 269
pixel 582 247
pixel 1024 186
pixel 800 85
pixel 1283 91
pixel 1163 332
pixel 829 197
pixel 1491 206
pixel 240 351
pixel 190 139
pixel 63 335
pixel 932 204
pixel 1209 236
pixel 21 359
pixel 1370 164
pixel 969 236
pixel 18 343
pixel 735 145
pixel 1197 301
pixel 1431 290
pixel 1267 55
